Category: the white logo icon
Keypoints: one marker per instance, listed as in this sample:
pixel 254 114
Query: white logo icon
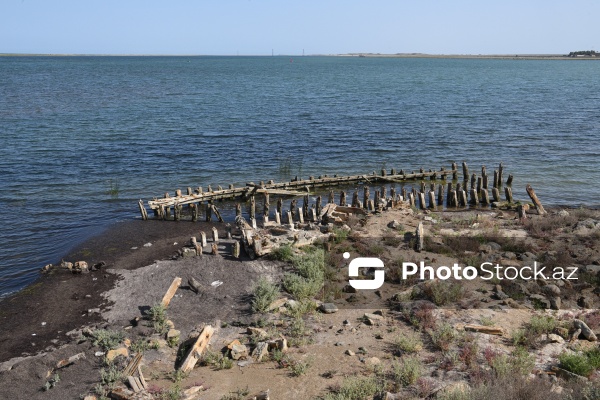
pixel 365 262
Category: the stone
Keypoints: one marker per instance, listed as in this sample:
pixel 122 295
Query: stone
pixel 584 302
pixel 121 351
pixel 277 304
pixel 551 290
pixel 554 338
pixel 191 393
pixel 80 267
pixel 349 352
pixel 563 213
pixel 261 333
pixel 555 303
pixel 372 361
pixel 238 351
pixel 261 350
pixel 395 225
pixel 374 317
pixel 592 269
pixel 509 255
pixel 585 330
pixel 173 333
pixel 328 308
pixel 349 289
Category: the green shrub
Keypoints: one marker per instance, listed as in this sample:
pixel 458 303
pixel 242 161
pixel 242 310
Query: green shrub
pixel 407 370
pixel 443 336
pixel 283 253
pixel 107 339
pixel 583 364
pixel 443 292
pixel 520 362
pixel 299 367
pixel 265 293
pixel 309 277
pixel 356 388
pixel 157 314
pixel 408 342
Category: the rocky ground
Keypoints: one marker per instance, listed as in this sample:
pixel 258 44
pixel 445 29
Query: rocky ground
pixel 288 325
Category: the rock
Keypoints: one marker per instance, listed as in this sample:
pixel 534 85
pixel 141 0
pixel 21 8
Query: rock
pixel 188 252
pixel 555 303
pixel 585 330
pixel 592 269
pixel 349 289
pixel 392 396
pixel 328 308
pixel 191 393
pixel 509 255
pixel 350 352
pixel 279 344
pixel 554 338
pixel 238 351
pixel 584 302
pixel 563 213
pixel 500 295
pixel 551 290
pixel 121 351
pixel 195 285
pixel 148 244
pixel 173 333
pixel 261 350
pixel 495 246
pixel 539 300
pixel 373 317
pixel 264 395
pixel 90 397
pixel 66 264
pixel 80 267
pixel 562 332
pixel 395 225
pixel 373 361
pixel 47 267
pixel 260 333
pixel 277 303
pixel 362 350
pixel 454 390
pixel 528 257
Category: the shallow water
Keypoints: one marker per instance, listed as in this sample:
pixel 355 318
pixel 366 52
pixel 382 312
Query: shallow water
pixel 83 138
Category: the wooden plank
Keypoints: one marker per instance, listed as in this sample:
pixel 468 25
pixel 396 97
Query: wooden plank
pixel 171 292
pixel 536 201
pixel 490 330
pixel 197 349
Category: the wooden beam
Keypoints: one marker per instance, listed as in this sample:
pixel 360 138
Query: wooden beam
pixel 171 292
pixel 197 349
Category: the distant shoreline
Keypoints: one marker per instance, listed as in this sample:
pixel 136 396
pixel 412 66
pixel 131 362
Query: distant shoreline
pixel 349 55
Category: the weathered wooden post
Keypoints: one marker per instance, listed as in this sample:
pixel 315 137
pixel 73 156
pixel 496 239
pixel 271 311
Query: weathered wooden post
pixel 500 169
pixel 411 199
pixel 290 218
pixel 215 210
pixel 422 204
pixel 440 199
pixel 266 207
pixel 509 180
pixel 236 249
pixel 208 212
pixel 383 172
pixel 432 199
pixel 342 198
pixel 214 249
pixel 203 239
pixel 305 207
pixel 293 208
pixel 277 217
pixel 280 206
pixel 215 235
pixel 252 207
pixel 318 205
pixel 253 223
pixel 536 201
pixel 178 193
pixel 473 181
pixel 422 187
pixel 377 200
pixel 404 194
pixel 508 194
pixel 474 198
pixel 465 171
pixel 143 210
pixel 209 189
pixel 355 199
pixel 522 211
pixel 167 213
pixel 195 245
pixel 449 195
pixel 331 197
pixel 454 171
pixel 238 210
pixel 479 184
pixel 383 192
pixel 420 238
pixel 228 231
pixel 366 197
pixel 393 196
pixel 454 199
pixel 496 194
pixel 485 198
pixel 495 178
pixel 177 211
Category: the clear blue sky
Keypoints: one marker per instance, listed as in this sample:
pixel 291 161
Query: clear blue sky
pixel 289 26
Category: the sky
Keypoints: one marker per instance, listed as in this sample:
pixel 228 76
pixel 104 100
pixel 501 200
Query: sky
pixel 260 27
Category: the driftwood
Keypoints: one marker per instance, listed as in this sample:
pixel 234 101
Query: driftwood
pixel 536 201
pixel 171 292
pixel 420 235
pixel 490 330
pixel 197 349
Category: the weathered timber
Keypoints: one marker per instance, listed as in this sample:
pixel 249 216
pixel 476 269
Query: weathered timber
pixel 474 198
pixel 170 292
pixel 485 197
pixel 331 197
pixel 536 202
pixel 252 207
pixel 194 211
pixel 462 198
pixel 343 198
pixel 318 205
pixel 280 206
pixel 203 239
pixel 495 178
pixel 509 180
pixel 465 171
pixel 197 349
pixel 143 210
pixel 454 199
pixel 236 249
pixel 440 198
pixel 305 207
pixel 420 236
pixel 266 205
pixel 495 194
pixel 215 210
pixel 500 170
pixel 508 194
pixel 293 208
pixel 208 212
pixel 355 200
pixel 366 196
pixel 522 211
pixel 422 203
pixel 432 200
pixel 490 330
pixel 454 172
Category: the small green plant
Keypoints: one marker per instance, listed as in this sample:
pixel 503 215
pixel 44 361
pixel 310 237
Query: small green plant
pixel 157 314
pixel 113 187
pixel 356 388
pixel 140 346
pixel 443 336
pixel 284 252
pixel 443 292
pixel 339 235
pixel 178 375
pixel 520 362
pixel 487 321
pixel 51 382
pixel 299 367
pixel 265 293
pixel 239 394
pixel 110 376
pixel 173 341
pixel 408 342
pixel 583 363
pixel 106 339
pixel 407 370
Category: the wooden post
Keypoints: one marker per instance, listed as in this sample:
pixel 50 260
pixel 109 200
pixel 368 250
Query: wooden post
pixel 195 245
pixel 508 194
pixel 314 217
pixel 449 195
pixel 290 218
pixel 293 207
pixel 404 194
pixel 238 210
pixel 170 292
pixel 509 180
pixel 454 171
pixel 393 196
pixel 178 193
pixel 432 199
pixel 371 206
pixel 366 197
pixel 440 199
pixel 522 211
pixel 318 205
pixel 496 194
pixel 422 187
pixel 277 218
pixel 331 197
pixel 420 236
pixel 465 171
pixel 143 210
pixel 197 349
pixel 474 197
pixel 411 199
pixel 167 213
pixel 217 213
pixel 280 206
pixel 305 207
pixel 495 178
pixel 485 198
pixel 343 198
pixel 355 199
pixel 463 198
pixel 236 249
pixel 194 209
pixel 209 189
pixel 500 169
pixel 479 184
pixel 214 249
pixel 484 181
pixel 454 199
pixel 300 215
pixel 228 230
pixel 215 235
pixel 203 239
pixel 266 205
pixel 383 172
pixel 422 204
pixel 383 192
pixel 253 223
pixel 473 181
pixel 208 212
pixel 252 207
pixel 536 201
pixel 177 212
pixel 377 199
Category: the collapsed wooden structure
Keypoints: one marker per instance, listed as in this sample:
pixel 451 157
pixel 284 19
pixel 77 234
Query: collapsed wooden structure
pixel 429 190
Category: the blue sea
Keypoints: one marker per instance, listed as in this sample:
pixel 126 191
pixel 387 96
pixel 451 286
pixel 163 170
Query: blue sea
pixel 82 139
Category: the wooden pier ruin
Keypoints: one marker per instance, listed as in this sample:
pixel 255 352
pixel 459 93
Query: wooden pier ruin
pixel 425 190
